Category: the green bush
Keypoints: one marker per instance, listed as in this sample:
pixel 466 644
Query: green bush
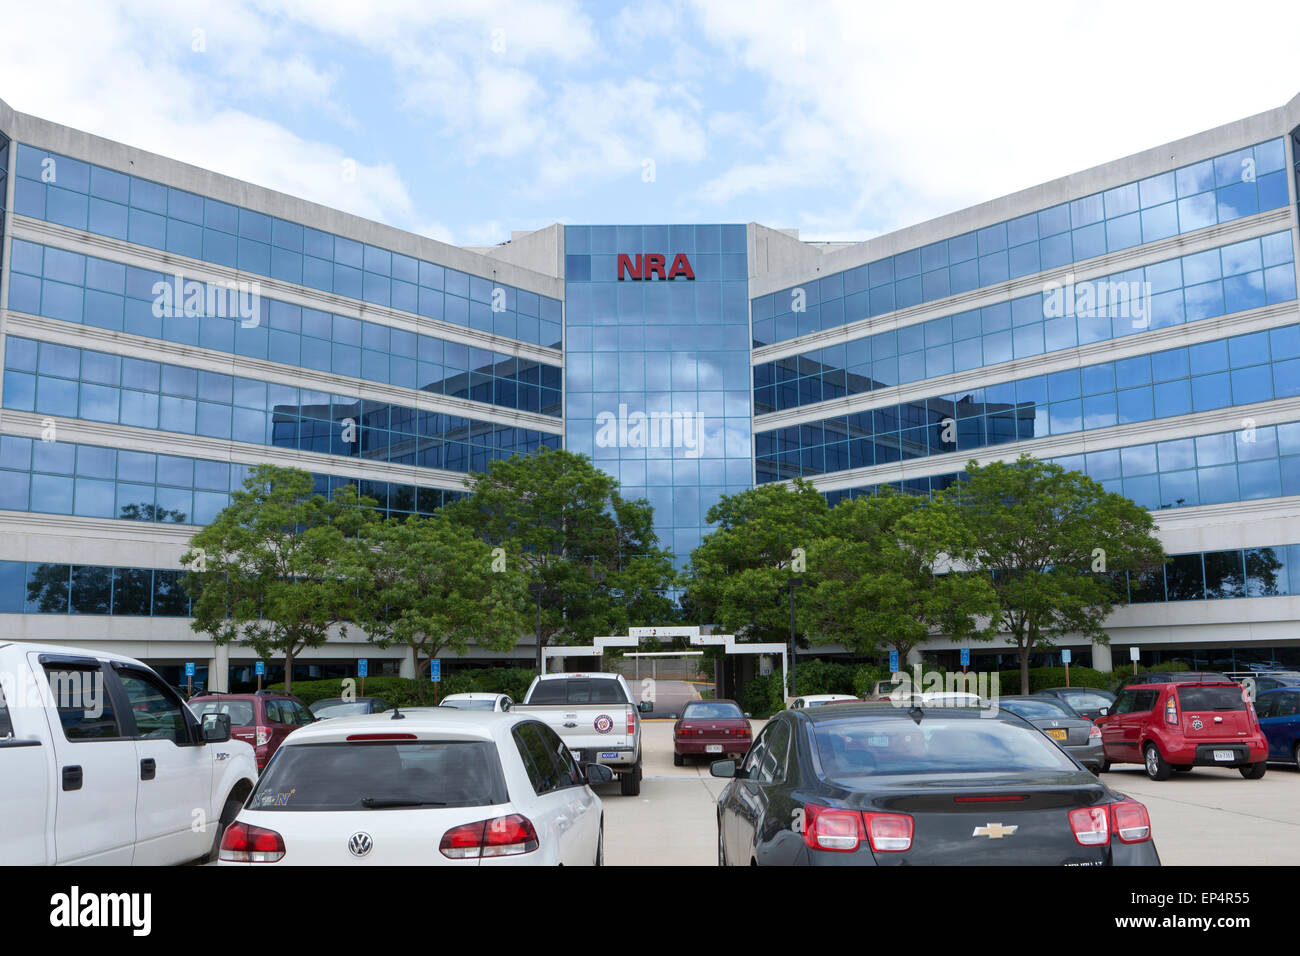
pixel 824 677
pixel 1041 678
pixel 865 677
pixel 762 696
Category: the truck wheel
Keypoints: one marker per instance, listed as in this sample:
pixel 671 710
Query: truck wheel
pixel 1157 766
pixel 630 783
pixel 677 760
pixel 1253 771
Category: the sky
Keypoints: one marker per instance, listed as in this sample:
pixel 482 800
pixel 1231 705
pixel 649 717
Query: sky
pixel 465 120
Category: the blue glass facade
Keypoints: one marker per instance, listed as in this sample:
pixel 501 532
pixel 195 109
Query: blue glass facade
pixel 69 192
pixel 1222 189
pixel 658 371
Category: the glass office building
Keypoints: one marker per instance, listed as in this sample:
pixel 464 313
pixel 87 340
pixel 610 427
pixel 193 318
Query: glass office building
pixel 164 329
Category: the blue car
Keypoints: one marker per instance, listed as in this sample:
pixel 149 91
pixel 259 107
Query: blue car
pixel 1279 717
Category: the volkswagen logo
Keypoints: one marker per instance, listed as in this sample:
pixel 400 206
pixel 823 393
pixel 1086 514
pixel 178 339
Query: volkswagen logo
pixel 603 724
pixel 360 844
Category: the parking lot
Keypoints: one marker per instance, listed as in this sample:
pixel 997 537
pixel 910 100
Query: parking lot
pixel 1205 817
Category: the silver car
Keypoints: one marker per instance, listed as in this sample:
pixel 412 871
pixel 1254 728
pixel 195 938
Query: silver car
pixel 1078 736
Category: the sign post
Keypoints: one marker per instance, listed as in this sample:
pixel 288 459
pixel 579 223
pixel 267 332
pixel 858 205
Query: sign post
pixel 260 669
pixel 1065 657
pixel 435 671
pixel 965 659
pixel 1133 655
pixel 189 679
pixel 362 664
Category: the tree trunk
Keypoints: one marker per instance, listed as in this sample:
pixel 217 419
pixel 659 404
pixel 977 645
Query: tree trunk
pixel 1025 648
pixel 288 670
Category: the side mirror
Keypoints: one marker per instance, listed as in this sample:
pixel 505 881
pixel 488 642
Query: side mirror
pixel 505 705
pixel 723 768
pixel 598 773
pixel 1103 711
pixel 646 706
pixel 749 716
pixel 216 728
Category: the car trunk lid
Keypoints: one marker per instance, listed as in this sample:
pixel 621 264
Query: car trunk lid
pixel 1211 712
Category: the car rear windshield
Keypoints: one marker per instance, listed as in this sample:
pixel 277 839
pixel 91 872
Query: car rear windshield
pixel 1211 698
pixel 1035 709
pixel 240 711
pixel 1086 701
pixel 856 747
pixel 578 690
pixel 382 776
pixel 342 709
pixel 711 710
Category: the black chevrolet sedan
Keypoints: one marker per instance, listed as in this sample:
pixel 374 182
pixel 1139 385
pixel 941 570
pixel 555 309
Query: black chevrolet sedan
pixel 876 784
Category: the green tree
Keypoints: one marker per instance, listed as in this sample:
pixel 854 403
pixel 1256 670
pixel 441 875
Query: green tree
pixel 878 582
pixel 566 527
pixel 279 566
pixel 431 585
pixel 1054 544
pixel 738 576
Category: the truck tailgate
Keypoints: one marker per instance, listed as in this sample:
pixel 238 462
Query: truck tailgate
pixel 585 726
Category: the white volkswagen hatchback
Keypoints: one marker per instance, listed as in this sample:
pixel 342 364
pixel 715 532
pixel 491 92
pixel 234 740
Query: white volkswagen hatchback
pixel 437 787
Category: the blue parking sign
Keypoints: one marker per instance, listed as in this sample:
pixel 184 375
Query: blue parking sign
pixel 893 662
pixel 435 669
pixel 965 657
pixel 1065 655
pixel 362 667
pixel 259 668
pixel 189 669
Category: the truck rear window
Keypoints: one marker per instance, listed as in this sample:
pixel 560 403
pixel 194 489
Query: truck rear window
pixel 382 776
pixel 1211 698
pixel 578 690
pixel 240 711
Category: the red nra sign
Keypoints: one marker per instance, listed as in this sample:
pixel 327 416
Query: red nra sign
pixel 651 264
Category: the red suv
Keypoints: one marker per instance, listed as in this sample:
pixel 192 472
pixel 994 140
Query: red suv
pixel 263 719
pixel 1184 724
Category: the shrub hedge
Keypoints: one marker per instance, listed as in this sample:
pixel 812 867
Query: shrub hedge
pixel 405 691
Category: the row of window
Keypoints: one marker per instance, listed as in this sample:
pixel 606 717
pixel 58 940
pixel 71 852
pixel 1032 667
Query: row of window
pixel 705 239
pixel 1248 464
pixel 701 305
pixel 1244 275
pixel 67 382
pixel 72 193
pixel 42 588
pixel 74 288
pixel 1241 183
pixel 93 481
pixel 1240 370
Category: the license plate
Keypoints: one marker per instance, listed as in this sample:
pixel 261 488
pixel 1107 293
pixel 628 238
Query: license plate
pixel 713 748
pixel 1225 755
pixel 1059 734
pixel 609 756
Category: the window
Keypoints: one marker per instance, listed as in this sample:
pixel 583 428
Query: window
pixel 570 774
pixel 273 713
pixel 159 714
pixel 1211 698
pixel 1288 704
pixel 1124 702
pixel 579 691
pixel 772 768
pixel 536 755
pixel 755 755
pixel 1146 701
pixel 83 702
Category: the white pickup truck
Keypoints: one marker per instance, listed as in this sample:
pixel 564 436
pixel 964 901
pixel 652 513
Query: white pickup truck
pixel 595 716
pixel 102 763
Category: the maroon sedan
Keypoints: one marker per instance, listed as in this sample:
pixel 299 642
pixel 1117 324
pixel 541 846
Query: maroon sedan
pixel 711 728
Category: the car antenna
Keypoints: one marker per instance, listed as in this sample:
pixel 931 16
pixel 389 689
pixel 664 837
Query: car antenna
pixel 916 713
pixel 397 713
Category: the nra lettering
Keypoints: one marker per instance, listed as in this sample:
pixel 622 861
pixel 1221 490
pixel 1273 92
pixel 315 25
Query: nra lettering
pixel 651 264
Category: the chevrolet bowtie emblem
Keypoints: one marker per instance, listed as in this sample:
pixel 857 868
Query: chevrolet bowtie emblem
pixel 994 831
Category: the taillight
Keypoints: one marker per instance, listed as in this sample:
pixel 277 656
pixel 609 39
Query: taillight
pixel 500 836
pixel 837 830
pixel 1171 711
pixel 263 736
pixel 677 729
pixel 1091 825
pixel 1131 821
pixel 631 723
pixel 1094 733
pixel 745 732
pixel 244 843
pixel 363 737
pixel 889 832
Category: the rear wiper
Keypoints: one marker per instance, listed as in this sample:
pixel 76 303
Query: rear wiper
pixel 374 803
